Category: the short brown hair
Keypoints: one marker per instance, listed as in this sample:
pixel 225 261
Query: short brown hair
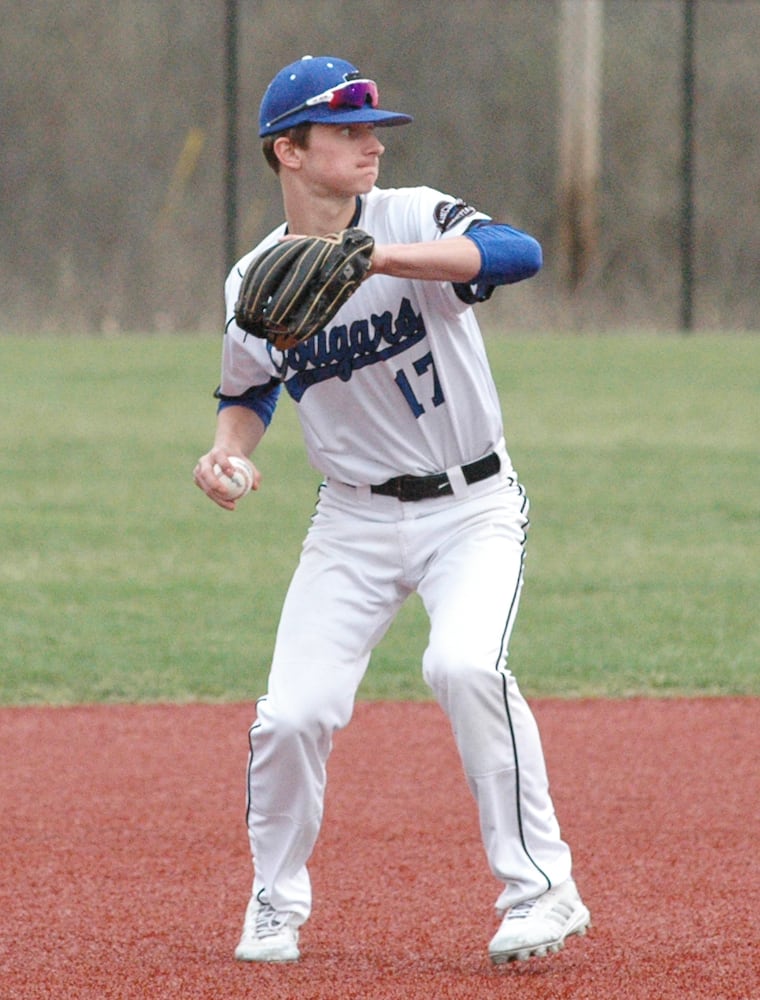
pixel 298 135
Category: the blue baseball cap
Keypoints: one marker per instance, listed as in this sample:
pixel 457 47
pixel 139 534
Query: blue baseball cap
pixel 323 90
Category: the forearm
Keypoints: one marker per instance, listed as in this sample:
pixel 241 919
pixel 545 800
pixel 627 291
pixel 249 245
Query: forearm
pixel 491 254
pixel 238 430
pixel 455 259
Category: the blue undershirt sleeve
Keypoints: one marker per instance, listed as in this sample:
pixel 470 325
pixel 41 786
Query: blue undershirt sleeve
pixel 262 399
pixel 507 255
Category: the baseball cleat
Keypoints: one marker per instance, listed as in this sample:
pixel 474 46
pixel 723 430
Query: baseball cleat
pixel 538 927
pixel 267 935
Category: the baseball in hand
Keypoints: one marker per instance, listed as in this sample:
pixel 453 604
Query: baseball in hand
pixel 240 482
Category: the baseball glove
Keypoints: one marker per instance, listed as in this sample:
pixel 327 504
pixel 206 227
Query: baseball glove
pixel 294 288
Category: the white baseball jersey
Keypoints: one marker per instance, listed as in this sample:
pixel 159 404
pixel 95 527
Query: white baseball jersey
pixel 399 383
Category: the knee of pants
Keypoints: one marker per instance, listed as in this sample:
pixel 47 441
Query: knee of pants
pixel 459 672
pixel 300 718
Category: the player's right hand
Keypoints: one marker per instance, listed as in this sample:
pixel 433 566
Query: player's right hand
pixel 206 479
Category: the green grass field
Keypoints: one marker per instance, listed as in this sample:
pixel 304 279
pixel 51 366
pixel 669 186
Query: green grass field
pixel 121 582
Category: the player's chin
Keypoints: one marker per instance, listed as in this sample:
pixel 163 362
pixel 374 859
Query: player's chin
pixel 367 180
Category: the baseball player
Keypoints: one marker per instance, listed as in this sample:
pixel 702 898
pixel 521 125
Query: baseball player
pixel 401 417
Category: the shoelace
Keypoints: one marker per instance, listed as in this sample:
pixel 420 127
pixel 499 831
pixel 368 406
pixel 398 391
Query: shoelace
pixel 521 910
pixel 268 922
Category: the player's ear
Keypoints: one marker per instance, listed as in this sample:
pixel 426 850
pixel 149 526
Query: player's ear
pixel 287 152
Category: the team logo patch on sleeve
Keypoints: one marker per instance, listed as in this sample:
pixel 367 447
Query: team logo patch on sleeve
pixel 449 213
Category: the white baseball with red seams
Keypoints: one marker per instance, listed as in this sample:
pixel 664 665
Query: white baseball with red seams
pixel 240 482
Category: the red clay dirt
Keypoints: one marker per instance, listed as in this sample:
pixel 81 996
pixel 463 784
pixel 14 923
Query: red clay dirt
pixel 125 868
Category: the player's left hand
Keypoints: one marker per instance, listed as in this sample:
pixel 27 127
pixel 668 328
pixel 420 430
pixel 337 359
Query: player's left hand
pixel 294 288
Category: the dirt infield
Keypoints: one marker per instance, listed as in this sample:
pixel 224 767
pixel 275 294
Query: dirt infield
pixel 125 867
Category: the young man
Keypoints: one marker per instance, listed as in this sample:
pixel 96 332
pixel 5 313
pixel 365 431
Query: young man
pixel 401 416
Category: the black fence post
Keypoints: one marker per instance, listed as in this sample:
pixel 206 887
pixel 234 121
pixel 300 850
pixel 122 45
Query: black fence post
pixel 687 168
pixel 231 132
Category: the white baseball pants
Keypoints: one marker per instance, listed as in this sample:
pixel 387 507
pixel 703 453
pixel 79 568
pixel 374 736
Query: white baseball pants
pixel 363 555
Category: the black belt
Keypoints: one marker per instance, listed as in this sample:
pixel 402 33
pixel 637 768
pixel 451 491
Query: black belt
pixel 425 487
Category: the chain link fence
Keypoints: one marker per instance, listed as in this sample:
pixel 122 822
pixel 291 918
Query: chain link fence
pixel 113 163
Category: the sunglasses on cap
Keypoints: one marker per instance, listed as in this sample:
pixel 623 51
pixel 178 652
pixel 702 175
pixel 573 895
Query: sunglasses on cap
pixel 352 94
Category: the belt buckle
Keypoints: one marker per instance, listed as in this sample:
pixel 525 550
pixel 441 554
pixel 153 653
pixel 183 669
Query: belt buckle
pixel 409 489
pixel 426 487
